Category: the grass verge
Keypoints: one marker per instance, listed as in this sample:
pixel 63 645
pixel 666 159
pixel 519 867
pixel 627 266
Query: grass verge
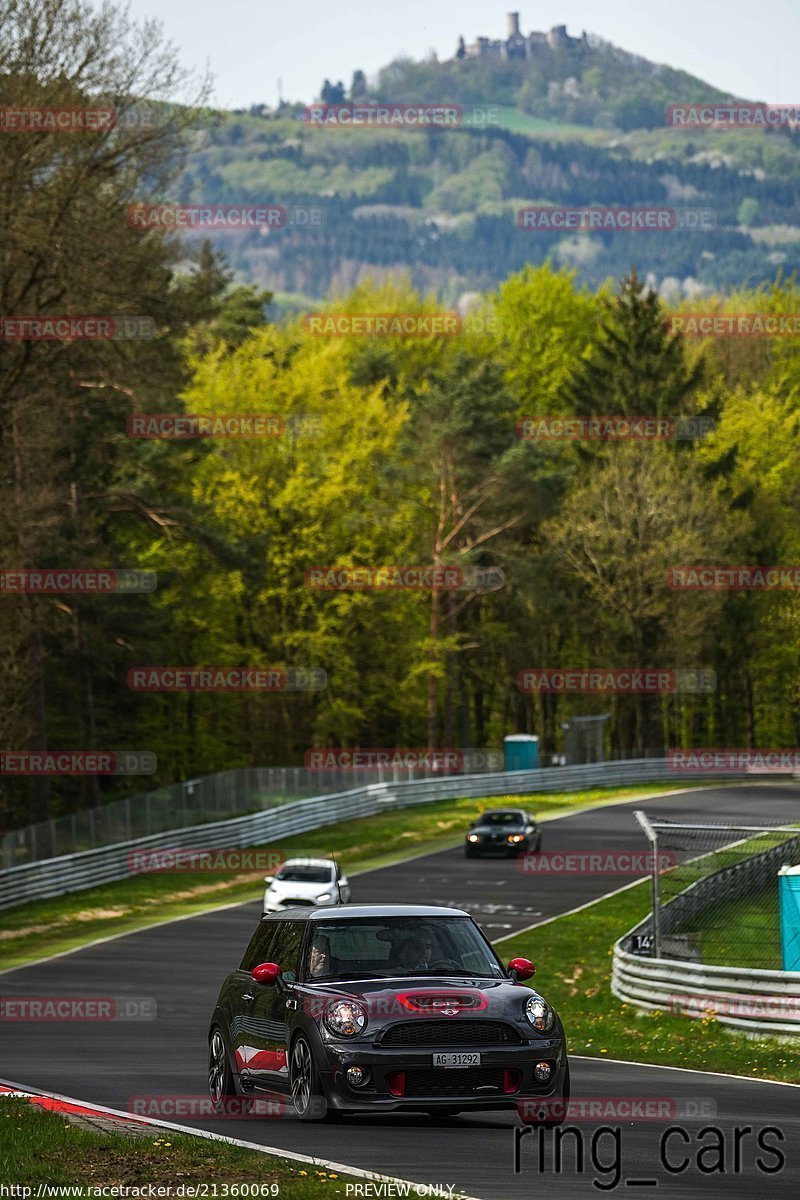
pixel 34 930
pixel 573 957
pixel 744 932
pixel 44 1147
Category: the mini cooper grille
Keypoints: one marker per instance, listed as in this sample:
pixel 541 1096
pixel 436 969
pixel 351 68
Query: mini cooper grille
pixel 455 1032
pixel 434 1082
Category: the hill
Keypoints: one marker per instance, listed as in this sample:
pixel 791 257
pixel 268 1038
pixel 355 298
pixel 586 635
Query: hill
pixel 575 122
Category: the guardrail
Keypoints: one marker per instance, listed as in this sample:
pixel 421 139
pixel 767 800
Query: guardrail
pixel 88 868
pixel 757 1000
pixel 760 1002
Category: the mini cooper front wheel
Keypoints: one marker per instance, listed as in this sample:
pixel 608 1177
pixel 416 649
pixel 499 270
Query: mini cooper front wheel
pixel 220 1077
pixel 307 1094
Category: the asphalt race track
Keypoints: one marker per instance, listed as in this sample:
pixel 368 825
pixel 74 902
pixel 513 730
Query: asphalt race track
pixel 181 965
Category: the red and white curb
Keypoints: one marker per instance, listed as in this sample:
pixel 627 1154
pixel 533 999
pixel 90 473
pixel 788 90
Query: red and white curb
pixel 54 1102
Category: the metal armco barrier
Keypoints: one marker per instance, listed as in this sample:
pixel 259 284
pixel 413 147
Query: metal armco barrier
pixel 76 872
pixel 754 1001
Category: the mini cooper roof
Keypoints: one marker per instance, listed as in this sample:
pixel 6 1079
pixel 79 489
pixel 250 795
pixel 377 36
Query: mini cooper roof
pixel 339 911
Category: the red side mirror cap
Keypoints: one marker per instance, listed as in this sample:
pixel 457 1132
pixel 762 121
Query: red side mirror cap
pixel 266 973
pixel 521 968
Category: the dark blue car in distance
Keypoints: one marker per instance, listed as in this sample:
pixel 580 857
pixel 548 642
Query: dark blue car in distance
pixel 368 1008
pixel 509 831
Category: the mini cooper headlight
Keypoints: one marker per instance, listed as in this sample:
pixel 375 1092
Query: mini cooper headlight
pixel 473 837
pixel 323 896
pixel 346 1018
pixel 539 1014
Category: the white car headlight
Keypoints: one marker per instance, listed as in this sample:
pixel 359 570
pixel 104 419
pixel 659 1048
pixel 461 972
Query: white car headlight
pixel 323 896
pixel 539 1014
pixel 346 1018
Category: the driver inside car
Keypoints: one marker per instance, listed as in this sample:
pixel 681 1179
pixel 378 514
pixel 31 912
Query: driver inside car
pixel 319 959
pixel 415 954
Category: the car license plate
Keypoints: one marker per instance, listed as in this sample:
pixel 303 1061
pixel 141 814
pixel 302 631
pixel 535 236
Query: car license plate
pixel 457 1060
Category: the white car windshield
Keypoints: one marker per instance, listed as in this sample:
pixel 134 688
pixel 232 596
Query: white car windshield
pixel 305 875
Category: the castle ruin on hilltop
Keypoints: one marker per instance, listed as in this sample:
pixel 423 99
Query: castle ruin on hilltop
pixel 521 45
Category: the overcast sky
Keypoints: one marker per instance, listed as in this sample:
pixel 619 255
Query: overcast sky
pixel 747 47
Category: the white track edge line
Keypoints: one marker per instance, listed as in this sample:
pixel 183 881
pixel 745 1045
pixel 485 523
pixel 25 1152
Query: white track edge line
pixel 624 1062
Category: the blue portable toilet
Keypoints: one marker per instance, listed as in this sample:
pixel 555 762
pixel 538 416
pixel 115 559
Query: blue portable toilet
pixel 521 752
pixel 789 895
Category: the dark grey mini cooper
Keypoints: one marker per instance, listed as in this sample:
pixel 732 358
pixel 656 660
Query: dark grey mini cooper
pixel 364 1008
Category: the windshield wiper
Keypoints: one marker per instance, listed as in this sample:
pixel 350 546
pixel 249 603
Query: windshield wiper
pixel 452 971
pixel 343 976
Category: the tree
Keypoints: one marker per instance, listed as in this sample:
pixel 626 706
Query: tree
pixel 749 211
pixel 68 248
pixel 332 93
pixel 358 86
pixel 637 514
pixel 544 325
pixel 632 365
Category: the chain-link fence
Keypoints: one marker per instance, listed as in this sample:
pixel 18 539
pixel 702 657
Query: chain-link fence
pixel 715 892
pixel 212 798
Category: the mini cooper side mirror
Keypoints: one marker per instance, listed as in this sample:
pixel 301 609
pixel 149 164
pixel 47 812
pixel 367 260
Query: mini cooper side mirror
pixel 521 968
pixel 266 973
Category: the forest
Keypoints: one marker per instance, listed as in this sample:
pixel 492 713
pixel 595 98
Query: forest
pixel 371 452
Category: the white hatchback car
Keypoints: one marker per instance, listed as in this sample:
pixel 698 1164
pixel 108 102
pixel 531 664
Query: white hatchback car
pixel 308 882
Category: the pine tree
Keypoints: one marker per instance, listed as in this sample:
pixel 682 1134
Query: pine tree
pixel 634 367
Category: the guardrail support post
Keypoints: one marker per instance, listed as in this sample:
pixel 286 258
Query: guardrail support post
pixel 652 837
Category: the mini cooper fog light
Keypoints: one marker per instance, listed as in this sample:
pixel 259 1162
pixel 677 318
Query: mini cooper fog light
pixel 542 1071
pixel 357 1076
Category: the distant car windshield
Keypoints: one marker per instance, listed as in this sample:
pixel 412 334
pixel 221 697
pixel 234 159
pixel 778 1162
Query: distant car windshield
pixel 305 875
pixel 377 947
pixel 501 818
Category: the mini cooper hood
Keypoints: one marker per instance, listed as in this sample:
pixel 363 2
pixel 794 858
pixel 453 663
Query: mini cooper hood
pixel 430 996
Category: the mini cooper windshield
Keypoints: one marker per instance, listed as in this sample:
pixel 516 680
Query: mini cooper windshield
pixel 395 947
